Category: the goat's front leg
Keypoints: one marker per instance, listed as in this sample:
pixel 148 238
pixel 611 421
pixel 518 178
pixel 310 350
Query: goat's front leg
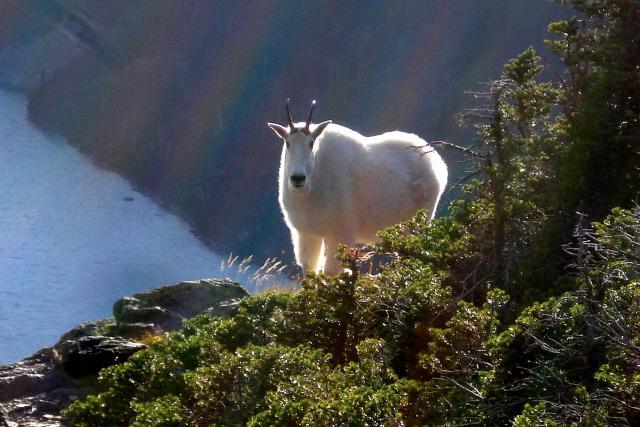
pixel 331 264
pixel 308 251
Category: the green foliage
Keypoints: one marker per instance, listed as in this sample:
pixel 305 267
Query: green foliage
pixel 103 409
pixel 505 313
pixel 575 358
pixel 256 321
pixel 352 349
pixel 505 220
pixel 233 390
pixel 363 393
pixel 601 105
pixel 538 357
pixel 618 235
pixel 166 411
pixel 617 325
pixel 402 347
pixel 437 243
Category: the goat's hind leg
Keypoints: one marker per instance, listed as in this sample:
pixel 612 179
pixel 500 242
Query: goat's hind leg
pixel 308 249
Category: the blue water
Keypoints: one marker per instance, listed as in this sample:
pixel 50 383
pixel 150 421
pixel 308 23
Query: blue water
pixel 74 238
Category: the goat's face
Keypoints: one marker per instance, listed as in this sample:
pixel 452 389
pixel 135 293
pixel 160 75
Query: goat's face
pixel 299 151
pixel 298 162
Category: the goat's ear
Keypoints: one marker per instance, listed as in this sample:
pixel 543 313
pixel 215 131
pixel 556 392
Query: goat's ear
pixel 320 128
pixel 280 130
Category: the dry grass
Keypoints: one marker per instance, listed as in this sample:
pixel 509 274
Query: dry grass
pixel 271 275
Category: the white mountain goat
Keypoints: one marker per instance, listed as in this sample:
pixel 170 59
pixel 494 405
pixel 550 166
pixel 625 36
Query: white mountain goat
pixel 340 187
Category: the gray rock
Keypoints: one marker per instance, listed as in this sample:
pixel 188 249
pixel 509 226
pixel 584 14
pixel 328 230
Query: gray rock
pixel 35 390
pixel 39 410
pixel 224 308
pixel 95 328
pixel 130 310
pixel 164 309
pixel 33 375
pixel 138 329
pixel 89 354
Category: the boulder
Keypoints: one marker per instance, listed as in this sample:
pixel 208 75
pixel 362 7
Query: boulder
pixel 89 354
pixel 35 390
pixel 164 309
pixel 39 410
pixel 33 375
pixel 95 328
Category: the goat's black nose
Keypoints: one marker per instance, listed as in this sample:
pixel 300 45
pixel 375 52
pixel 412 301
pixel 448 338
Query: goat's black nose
pixel 298 180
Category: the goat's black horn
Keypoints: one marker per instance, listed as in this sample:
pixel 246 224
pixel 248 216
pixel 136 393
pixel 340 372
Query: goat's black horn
pixel 306 127
pixel 291 127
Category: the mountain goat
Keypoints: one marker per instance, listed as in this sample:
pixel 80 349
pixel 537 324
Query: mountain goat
pixel 339 187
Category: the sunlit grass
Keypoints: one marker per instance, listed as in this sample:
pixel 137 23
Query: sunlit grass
pixel 271 275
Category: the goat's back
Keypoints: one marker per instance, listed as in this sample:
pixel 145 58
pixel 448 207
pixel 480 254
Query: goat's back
pixel 375 182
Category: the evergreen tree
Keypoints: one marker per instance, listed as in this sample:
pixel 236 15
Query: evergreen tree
pixel 599 164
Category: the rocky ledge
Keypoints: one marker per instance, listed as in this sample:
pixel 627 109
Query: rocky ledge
pixel 35 390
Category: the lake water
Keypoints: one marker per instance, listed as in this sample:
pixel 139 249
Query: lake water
pixel 74 238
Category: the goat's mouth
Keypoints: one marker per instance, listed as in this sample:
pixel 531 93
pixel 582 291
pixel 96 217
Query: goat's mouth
pixel 298 187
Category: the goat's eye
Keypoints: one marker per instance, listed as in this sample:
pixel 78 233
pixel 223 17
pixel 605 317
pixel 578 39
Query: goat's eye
pixel 311 143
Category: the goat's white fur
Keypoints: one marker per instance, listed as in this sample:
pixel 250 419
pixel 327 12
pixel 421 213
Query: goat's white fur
pixel 355 186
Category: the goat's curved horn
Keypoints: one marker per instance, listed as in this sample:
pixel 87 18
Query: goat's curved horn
pixel 306 127
pixel 291 127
